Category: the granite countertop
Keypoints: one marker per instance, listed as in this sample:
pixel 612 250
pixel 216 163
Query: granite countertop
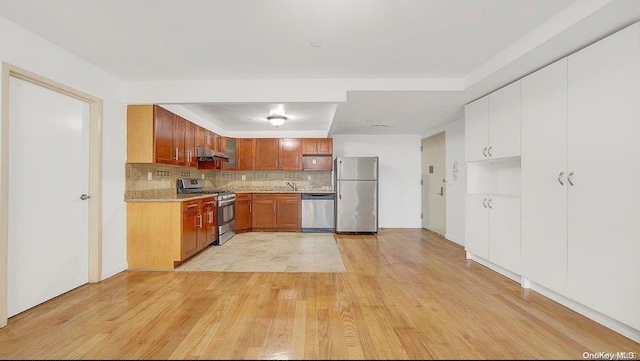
pixel 175 197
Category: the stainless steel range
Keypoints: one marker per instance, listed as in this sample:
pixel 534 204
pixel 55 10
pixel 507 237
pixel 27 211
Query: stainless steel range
pixel 226 206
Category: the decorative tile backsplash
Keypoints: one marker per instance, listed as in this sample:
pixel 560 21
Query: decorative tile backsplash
pixel 161 179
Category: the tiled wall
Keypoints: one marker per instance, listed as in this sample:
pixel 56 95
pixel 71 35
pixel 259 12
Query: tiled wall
pixel 164 177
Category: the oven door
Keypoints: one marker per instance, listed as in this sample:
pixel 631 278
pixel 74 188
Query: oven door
pixel 226 220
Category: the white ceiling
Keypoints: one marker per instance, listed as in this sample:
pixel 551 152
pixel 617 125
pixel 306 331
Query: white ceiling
pixel 479 44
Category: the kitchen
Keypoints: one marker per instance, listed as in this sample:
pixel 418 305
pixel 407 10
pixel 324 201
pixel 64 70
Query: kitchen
pixel 374 116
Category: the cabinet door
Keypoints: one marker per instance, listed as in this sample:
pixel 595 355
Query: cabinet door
pixel 310 146
pixel 504 122
pixel 504 232
pixel 163 135
pixel 190 144
pixel 201 137
pixel 230 148
pixel 288 212
pixel 476 129
pixel 476 230
pixel 325 146
pixel 245 147
pixel 190 228
pixel 264 211
pixel 290 154
pixel 544 197
pixel 209 214
pixel 604 201
pixel 243 215
pixel 266 154
pixel 179 134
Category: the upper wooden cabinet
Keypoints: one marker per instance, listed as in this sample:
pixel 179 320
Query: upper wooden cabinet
pixel 245 153
pixel 190 144
pixel 317 146
pixel 290 154
pixel 266 152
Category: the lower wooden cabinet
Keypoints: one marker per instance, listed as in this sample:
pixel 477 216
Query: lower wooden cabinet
pixel 162 235
pixel 277 211
pixel 243 212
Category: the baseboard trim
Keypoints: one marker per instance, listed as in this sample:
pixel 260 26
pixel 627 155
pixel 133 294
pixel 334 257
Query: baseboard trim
pixel 114 271
pixel 494 267
pixel 454 239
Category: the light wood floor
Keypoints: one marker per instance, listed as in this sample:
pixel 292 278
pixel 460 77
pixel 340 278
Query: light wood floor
pixel 407 294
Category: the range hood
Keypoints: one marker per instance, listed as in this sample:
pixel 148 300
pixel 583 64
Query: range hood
pixel 208 155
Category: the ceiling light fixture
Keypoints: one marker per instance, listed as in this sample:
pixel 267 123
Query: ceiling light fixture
pixel 276 116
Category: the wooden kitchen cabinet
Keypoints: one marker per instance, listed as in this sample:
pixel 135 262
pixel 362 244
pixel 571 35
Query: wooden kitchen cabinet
pixel 162 235
pixel 317 146
pixel 278 211
pixel 245 153
pixel 244 212
pixel 190 144
pixel 266 151
pixel 290 154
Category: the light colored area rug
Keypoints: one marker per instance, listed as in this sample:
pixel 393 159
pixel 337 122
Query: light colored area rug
pixel 270 252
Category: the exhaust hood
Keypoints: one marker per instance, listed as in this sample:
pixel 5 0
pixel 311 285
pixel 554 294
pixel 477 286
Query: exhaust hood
pixel 208 155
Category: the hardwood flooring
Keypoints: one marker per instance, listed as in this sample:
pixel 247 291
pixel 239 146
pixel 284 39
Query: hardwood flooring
pixel 407 294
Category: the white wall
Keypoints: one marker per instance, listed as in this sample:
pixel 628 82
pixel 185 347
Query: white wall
pixel 26 50
pixel 456 188
pixel 399 184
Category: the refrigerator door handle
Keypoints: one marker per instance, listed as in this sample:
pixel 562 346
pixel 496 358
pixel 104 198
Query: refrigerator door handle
pixel 340 189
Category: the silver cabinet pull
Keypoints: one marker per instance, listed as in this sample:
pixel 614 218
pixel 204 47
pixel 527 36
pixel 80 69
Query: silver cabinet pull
pixel 489 151
pixel 489 204
pixel 484 151
pixel 192 205
pixel 484 203
pixel 211 217
pixel 200 220
pixel 569 178
pixel 84 197
pixel 176 153
pixel 560 178
pixel 249 207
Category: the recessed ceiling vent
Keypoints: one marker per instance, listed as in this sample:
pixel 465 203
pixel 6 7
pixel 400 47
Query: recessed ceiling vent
pixel 379 125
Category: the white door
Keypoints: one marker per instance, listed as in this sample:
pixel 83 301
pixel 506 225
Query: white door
pixel 476 230
pixel 504 232
pixel 434 203
pixel 544 177
pixel 48 244
pixel 476 129
pixel 604 155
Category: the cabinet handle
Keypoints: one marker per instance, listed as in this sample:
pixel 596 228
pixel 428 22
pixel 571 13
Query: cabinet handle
pixel 176 154
pixel 249 207
pixel 211 217
pixel 569 178
pixel 192 205
pixel 489 204
pixel 200 220
pixel 560 178
pixel 484 151
pixel 489 151
pixel 484 203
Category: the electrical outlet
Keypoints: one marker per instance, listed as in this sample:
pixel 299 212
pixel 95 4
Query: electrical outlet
pixel 309 177
pixel 149 175
pixel 202 175
pixel 244 177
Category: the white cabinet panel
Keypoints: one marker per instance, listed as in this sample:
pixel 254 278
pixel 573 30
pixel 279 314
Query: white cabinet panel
pixel 504 121
pixel 476 234
pixel 476 129
pixel 504 232
pixel 604 155
pixel 544 170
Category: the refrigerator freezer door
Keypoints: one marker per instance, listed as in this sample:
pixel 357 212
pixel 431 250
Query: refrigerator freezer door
pixel 357 206
pixel 360 168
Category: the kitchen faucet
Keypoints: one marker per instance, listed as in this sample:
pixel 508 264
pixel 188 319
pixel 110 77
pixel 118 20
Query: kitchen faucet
pixel 293 186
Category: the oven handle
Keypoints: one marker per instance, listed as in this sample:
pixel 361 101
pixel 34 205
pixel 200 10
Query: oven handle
pixel 225 202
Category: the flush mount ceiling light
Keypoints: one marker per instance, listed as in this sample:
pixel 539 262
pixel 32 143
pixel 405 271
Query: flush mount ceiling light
pixel 276 117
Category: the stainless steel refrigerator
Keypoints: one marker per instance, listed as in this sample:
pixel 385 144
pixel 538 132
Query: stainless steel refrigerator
pixel 356 182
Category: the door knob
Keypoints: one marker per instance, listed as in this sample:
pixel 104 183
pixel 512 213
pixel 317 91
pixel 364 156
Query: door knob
pixel 84 197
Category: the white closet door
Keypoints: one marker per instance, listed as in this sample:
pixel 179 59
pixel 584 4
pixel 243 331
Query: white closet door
pixel 48 245
pixel 504 232
pixel 544 158
pixel 476 233
pixel 604 154
pixel 476 129
pixel 504 121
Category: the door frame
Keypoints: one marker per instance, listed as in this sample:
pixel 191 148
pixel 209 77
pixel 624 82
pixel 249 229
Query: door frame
pixel 422 155
pixel 95 174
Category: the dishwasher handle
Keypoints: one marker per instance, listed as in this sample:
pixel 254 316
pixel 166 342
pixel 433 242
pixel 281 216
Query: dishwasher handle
pixel 318 196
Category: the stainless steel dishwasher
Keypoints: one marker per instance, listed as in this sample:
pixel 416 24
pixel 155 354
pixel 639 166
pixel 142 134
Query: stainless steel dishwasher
pixel 317 212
